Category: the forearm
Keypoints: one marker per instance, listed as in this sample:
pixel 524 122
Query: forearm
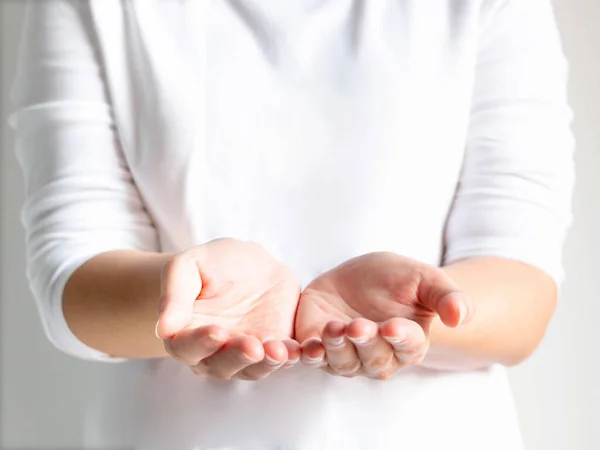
pixel 513 305
pixel 111 303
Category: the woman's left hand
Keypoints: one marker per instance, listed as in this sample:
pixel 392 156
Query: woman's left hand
pixel 371 315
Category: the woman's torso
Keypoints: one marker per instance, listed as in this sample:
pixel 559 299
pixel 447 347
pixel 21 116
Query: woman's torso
pixel 323 130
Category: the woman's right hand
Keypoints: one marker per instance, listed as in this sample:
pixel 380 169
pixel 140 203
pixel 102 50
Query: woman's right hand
pixel 227 310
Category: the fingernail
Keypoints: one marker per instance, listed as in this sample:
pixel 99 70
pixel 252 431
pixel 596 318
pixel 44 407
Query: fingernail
pixel 293 361
pixel 462 312
pixel 215 337
pixel 312 361
pixel 336 342
pixel 361 340
pixel 394 340
pixel 248 359
pixel 309 341
pixel 156 330
pixel 272 362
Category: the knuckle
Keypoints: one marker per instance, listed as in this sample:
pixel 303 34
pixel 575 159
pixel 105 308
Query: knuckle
pixel 246 377
pixel 218 375
pixel 176 353
pixel 418 359
pixel 404 359
pixel 259 376
pixel 201 367
pixel 410 359
pixel 170 348
pixel 329 370
pixel 222 377
pixel 187 360
pixel 380 361
pixel 242 376
pixel 347 368
pixel 253 375
pixel 198 371
pixel 382 376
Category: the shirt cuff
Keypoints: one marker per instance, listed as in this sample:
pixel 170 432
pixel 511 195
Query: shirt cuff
pixel 528 251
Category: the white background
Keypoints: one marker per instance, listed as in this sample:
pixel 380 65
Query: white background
pixel 557 393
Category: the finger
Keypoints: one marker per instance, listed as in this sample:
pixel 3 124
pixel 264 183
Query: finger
pixel 455 309
pixel 292 346
pixel 330 371
pixel 408 340
pixel 238 353
pixel 340 353
pixel 275 357
pixel 313 353
pixel 180 287
pixel 438 292
pixel 190 346
pixel 294 351
pixel 375 353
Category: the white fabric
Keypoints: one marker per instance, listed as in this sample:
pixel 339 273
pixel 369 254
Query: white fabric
pixel 323 129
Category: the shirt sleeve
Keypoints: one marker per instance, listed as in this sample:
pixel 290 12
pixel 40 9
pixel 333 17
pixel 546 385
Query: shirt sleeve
pixel 514 196
pixel 81 199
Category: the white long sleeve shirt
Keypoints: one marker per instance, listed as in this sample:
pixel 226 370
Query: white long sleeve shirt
pixel 322 129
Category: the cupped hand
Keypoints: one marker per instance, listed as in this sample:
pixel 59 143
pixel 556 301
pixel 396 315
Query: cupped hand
pixel 227 310
pixel 371 315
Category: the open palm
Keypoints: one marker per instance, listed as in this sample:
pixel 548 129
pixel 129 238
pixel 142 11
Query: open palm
pixel 233 290
pixel 372 298
pixel 246 291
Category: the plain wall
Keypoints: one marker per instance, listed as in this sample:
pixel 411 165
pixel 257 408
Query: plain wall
pixel 41 390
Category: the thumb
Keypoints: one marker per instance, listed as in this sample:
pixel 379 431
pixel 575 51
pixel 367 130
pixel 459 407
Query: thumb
pixel 181 286
pixel 438 292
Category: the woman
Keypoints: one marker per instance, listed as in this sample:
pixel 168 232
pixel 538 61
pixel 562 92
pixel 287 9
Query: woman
pixel 377 189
